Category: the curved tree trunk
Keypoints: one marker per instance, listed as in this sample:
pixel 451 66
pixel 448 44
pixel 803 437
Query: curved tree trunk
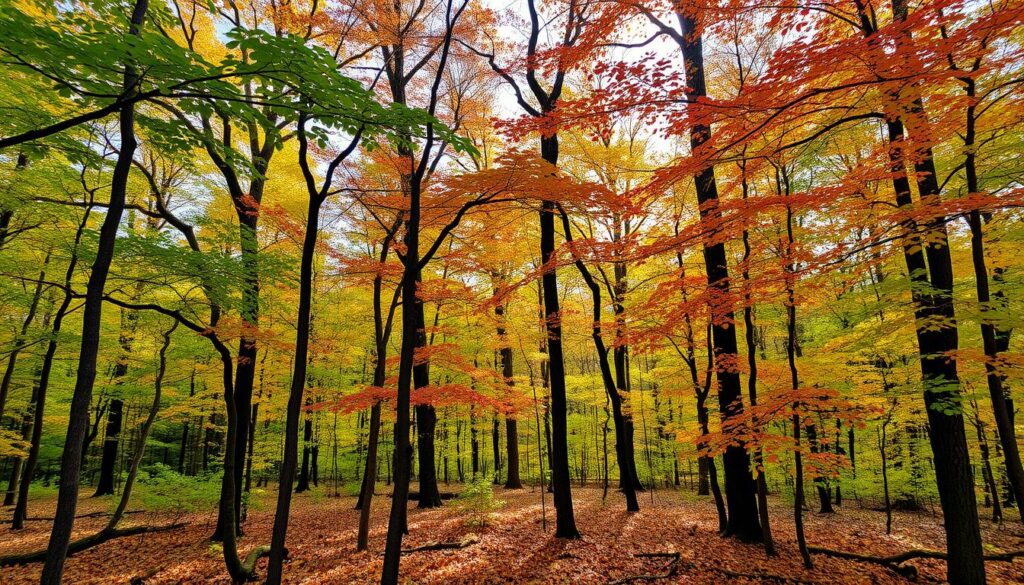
pixel 71 459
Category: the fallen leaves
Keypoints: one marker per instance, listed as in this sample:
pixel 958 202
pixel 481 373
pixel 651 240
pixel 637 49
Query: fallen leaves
pixel 514 547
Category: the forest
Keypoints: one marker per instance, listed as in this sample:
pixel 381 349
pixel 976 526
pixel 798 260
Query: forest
pixel 540 291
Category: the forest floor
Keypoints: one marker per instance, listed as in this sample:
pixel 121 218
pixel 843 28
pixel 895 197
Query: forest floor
pixel 513 547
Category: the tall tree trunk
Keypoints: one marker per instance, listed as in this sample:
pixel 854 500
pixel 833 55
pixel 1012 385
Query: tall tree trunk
pixel 882 440
pixel 932 292
pixel 627 464
pixel 932 287
pixel 989 333
pixel 512 480
pixel 496 447
pixel 43 381
pixel 307 439
pixel 748 330
pixel 622 442
pixel 739 485
pixel 426 416
pixel 20 340
pixel 565 521
pixel 317 196
pixel 71 459
pixel 791 354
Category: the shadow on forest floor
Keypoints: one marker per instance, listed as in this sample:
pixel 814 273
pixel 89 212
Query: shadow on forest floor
pixel 513 547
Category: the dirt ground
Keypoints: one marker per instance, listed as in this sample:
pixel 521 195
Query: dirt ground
pixel 515 547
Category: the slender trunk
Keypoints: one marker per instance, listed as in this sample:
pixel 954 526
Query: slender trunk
pixel 71 459
pixel 496 447
pixel 403 449
pixel 307 450
pixel 369 480
pixel 623 444
pixel 791 354
pixel 20 340
pixel 926 253
pixel 989 333
pixel 882 441
pixel 300 364
pixel 147 426
pixel 988 478
pixel 628 475
pixel 748 330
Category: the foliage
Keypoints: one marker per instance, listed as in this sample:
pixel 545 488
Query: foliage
pixel 477 502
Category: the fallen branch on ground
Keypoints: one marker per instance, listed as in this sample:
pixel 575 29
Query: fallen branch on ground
pixel 141 579
pixel 249 564
pixel 895 562
pixel 89 515
pixel 465 542
pixel 82 544
pixel 670 570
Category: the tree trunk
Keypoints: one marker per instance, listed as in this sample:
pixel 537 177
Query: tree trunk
pixel 307 438
pixel 739 485
pixel 623 443
pixel 565 521
pixel 301 358
pixel 989 333
pixel 71 459
pixel 19 341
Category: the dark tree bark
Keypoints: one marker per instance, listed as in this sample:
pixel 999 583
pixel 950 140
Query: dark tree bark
pixel 824 493
pixel 496 448
pixel 547 99
pixel 932 287
pixel 990 333
pixel 71 459
pixel 740 488
pixel 185 426
pixel 317 196
pixel 426 415
pixel 565 521
pixel 43 381
pixel 381 335
pixel 412 313
pixel 622 443
pixel 926 253
pixel 307 438
pixel 620 355
pixel 21 339
pixel 791 354
pixel 111 441
pixel 748 330
pixel 512 480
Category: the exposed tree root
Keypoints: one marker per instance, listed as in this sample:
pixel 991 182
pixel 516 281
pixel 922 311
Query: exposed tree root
pixel 82 544
pixel 895 562
pixel 670 570
pixel 465 542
